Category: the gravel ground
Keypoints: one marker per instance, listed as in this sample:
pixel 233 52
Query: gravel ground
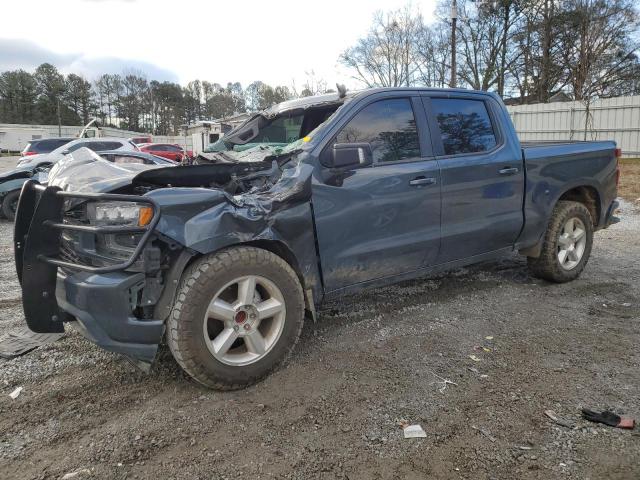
pixel 370 361
pixel 8 163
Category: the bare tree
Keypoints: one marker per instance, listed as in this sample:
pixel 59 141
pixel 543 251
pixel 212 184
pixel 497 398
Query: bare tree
pixel 432 56
pixel 386 56
pixel 313 85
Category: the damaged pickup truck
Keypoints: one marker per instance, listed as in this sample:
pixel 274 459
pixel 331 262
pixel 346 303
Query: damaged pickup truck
pixel 226 259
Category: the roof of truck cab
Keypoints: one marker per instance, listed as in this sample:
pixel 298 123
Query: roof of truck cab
pixel 421 89
pixel 306 102
pixel 328 98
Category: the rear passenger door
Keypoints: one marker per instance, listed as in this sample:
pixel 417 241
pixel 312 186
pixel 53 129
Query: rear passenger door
pixel 482 176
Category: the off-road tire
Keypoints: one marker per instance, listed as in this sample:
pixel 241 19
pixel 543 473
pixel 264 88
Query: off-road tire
pixel 547 266
pixel 199 284
pixel 7 204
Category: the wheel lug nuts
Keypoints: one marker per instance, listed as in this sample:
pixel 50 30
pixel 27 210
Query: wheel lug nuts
pixel 247 326
pixel 236 328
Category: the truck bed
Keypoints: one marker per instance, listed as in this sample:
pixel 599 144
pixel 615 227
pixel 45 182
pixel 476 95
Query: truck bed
pixel 554 168
pixel 549 143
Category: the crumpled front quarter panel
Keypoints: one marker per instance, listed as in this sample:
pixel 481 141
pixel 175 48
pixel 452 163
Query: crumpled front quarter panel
pixel 206 220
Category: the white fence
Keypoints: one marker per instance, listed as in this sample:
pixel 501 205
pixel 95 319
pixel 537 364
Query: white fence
pixel 609 119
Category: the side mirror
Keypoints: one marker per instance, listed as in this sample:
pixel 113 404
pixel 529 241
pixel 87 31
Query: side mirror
pixel 66 152
pixel 351 155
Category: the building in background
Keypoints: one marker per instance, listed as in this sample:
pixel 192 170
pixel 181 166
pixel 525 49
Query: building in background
pixel 205 132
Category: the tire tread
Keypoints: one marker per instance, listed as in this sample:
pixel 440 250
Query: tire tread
pixel 194 285
pixel 546 265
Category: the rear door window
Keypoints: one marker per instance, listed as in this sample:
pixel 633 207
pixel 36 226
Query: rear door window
pixel 45 146
pixel 389 126
pixel 465 125
pixel 103 146
pixel 75 147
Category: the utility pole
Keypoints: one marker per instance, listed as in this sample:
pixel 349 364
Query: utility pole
pixel 59 119
pixel 454 21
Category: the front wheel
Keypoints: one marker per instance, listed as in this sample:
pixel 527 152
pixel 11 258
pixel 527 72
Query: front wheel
pixel 10 204
pixel 237 317
pixel 567 244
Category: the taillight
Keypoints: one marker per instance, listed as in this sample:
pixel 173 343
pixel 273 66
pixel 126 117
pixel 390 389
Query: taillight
pixel 26 154
pixel 618 152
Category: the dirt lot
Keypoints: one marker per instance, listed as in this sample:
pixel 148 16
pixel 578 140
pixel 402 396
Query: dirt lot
pixel 630 179
pixel 371 360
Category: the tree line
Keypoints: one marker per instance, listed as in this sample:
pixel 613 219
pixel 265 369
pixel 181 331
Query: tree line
pixel 528 50
pixel 130 101
pixel 525 49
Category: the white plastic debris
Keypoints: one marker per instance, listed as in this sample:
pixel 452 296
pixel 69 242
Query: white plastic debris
pixel 414 431
pixel 16 393
pixel 78 473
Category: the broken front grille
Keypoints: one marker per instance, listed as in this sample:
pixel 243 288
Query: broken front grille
pixel 45 233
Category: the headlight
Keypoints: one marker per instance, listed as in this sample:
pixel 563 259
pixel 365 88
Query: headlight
pixel 119 214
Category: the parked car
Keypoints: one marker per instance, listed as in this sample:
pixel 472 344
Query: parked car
pixel 227 259
pixel 12 181
pixel 45 145
pixel 95 144
pixel 169 151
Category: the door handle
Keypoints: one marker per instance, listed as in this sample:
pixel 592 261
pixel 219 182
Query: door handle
pixel 508 171
pixel 416 182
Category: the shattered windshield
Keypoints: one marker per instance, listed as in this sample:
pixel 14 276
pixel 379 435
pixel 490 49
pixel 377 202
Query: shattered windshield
pixel 281 130
pixel 275 131
pixel 253 152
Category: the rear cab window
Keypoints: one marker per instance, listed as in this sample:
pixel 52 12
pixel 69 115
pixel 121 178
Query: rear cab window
pixel 388 126
pixel 280 130
pixel 464 125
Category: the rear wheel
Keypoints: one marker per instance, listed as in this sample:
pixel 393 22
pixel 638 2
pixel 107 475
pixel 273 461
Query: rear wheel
pixel 567 244
pixel 10 203
pixel 237 317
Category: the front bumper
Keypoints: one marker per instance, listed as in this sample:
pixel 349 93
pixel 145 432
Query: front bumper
pixel 54 290
pixel 103 304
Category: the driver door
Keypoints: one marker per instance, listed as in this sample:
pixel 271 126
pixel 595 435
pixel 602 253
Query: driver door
pixel 379 218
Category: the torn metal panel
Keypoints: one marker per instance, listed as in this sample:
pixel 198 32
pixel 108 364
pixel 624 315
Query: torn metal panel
pixel 208 219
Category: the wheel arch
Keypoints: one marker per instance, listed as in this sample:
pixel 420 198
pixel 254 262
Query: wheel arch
pixel 585 194
pixel 588 196
pixel 283 251
pixel 276 247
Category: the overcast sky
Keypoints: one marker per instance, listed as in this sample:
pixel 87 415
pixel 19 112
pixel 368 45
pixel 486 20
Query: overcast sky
pixel 221 41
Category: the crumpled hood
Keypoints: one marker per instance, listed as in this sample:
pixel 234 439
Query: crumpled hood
pixel 85 171
pixel 18 172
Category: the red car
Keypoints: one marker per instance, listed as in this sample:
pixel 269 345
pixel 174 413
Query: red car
pixel 170 151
